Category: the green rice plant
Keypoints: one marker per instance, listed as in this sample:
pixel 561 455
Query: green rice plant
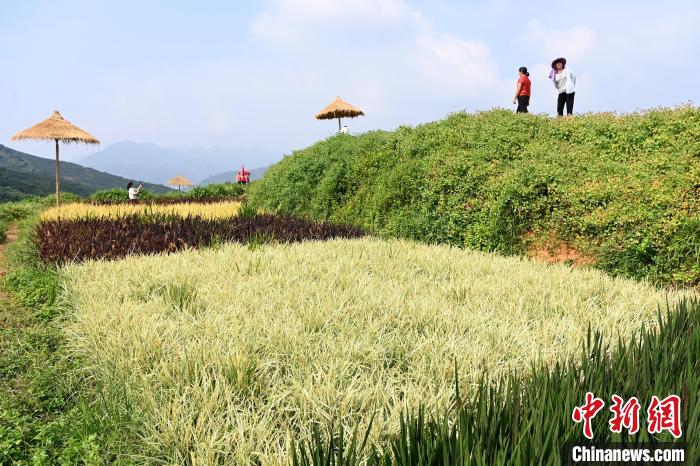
pixel 258 239
pixel 338 334
pixel 217 191
pixel 525 419
pixel 334 451
pixel 183 298
pixel 247 211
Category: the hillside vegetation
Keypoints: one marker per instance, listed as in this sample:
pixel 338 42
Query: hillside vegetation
pixel 620 192
pixel 23 175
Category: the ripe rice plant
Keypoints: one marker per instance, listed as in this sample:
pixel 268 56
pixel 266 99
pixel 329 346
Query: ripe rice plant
pixel 215 210
pixel 278 341
pixel 164 200
pixel 151 232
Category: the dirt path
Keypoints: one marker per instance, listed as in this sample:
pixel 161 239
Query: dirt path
pixel 12 233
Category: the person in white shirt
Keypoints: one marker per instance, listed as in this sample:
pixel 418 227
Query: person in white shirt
pixel 133 192
pixel 564 80
pixel 345 130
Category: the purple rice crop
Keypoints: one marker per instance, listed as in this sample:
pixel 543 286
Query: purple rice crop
pixel 61 241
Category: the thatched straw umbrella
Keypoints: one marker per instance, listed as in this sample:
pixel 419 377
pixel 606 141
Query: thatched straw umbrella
pixel 339 109
pixel 180 180
pixel 56 128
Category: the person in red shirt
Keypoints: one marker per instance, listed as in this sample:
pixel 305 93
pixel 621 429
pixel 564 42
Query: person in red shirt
pixel 522 91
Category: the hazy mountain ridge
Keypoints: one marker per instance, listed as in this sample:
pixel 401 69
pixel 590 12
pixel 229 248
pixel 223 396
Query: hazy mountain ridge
pixel 156 164
pixel 255 174
pixel 23 175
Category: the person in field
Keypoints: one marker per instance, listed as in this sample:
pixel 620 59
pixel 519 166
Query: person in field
pixel 133 192
pixel 564 80
pixel 522 90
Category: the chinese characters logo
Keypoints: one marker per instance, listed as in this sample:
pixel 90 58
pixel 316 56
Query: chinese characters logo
pixel 662 415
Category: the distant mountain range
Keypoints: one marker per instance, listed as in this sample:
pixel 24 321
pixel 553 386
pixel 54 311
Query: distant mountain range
pixel 255 174
pixel 149 162
pixel 23 175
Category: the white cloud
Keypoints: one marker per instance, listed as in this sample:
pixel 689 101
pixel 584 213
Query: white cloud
pixel 391 40
pixel 574 43
pixel 461 65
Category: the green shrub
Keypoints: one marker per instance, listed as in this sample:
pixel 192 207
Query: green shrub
pixel 622 190
pixel 118 195
pixel 216 191
pixel 212 192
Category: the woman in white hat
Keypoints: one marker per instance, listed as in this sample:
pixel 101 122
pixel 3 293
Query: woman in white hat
pixel 565 82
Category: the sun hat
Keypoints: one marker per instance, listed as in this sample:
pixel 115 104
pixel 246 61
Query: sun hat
pixel 561 59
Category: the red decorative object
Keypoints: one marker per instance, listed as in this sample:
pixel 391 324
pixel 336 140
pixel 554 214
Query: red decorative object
pixel 243 176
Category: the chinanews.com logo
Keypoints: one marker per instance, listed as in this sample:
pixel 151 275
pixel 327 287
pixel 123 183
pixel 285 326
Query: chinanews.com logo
pixel 661 415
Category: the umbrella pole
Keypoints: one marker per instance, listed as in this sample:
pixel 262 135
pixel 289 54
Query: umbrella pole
pixel 58 178
pixel 339 125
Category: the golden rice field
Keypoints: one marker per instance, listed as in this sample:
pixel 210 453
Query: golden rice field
pixel 228 353
pixel 216 210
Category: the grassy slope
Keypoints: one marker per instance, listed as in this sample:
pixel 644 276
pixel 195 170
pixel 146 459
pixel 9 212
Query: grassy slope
pixel 227 352
pixel 37 424
pixel 623 191
pixel 23 175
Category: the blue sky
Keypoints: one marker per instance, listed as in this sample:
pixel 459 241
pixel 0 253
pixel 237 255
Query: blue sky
pixel 253 74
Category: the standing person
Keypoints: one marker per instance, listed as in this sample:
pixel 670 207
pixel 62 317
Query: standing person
pixel 522 90
pixel 133 192
pixel 565 82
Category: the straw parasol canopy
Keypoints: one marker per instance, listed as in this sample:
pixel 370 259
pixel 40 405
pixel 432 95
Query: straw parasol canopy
pixel 58 129
pixel 180 180
pixel 339 109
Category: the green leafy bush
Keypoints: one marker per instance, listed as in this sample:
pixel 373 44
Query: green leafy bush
pixel 216 191
pixel 209 193
pixel 623 191
pixel 118 195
